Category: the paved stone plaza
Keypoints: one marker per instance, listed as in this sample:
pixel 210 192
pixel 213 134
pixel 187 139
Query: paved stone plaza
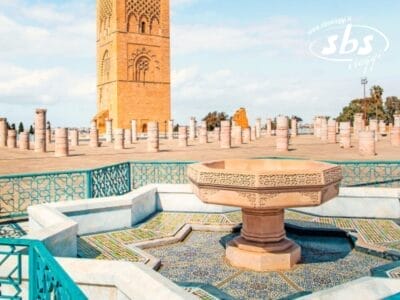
pixel 83 157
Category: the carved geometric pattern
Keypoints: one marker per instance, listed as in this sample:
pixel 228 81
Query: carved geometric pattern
pixel 227 179
pixel 19 192
pixel 144 173
pixel 147 8
pixel 140 63
pixel 314 196
pixel 111 181
pixel 333 175
pixel 290 180
pixel 105 9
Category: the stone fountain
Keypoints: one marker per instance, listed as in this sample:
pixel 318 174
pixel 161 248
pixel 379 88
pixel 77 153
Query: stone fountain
pixel 263 189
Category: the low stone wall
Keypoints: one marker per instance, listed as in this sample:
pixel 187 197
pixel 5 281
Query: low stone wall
pixel 180 198
pixel 363 288
pixel 111 213
pixel 55 230
pixel 360 202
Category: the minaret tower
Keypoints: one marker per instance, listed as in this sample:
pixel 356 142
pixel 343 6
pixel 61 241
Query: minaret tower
pixel 133 63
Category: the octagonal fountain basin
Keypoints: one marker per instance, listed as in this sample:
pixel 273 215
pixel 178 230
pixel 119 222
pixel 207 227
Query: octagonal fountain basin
pixel 263 189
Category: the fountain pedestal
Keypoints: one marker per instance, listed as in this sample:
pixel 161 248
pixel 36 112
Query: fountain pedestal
pixel 263 189
pixel 263 245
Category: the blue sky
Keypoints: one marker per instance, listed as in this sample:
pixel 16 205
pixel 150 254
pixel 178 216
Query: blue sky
pixel 226 54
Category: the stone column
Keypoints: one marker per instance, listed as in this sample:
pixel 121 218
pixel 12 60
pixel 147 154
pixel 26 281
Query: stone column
pixel 3 132
pixel 40 130
pixel 246 134
pixel 12 139
pixel 119 139
pixel 358 124
pixel 282 134
pixel 109 130
pixel 171 130
pixel 192 129
pixel 24 140
pixel 237 138
pixel 203 133
pixel 134 131
pixel 332 131
pixel 395 136
pixel 345 135
pixel 225 142
pixel 253 133
pixel 94 135
pixel 258 128
pixel 48 133
pixel 127 137
pixel 74 136
pixel 217 133
pixel 317 127
pixel 373 126
pixel 153 143
pixel 396 120
pixel 293 124
pixel 183 136
pixel 382 128
pixel 269 127
pixel 61 142
pixel 324 130
pixel 366 143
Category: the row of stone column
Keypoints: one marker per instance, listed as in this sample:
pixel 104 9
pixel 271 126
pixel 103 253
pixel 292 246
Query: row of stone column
pixel 122 137
pixel 42 136
pixel 9 137
pixel 201 132
pixel 326 129
pixel 130 135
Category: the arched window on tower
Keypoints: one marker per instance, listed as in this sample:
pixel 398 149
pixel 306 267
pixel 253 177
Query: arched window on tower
pixel 155 26
pixel 143 25
pixel 132 23
pixel 142 68
pixel 105 66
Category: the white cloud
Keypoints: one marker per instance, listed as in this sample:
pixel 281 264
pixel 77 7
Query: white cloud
pixel 57 36
pixel 19 86
pixel 275 33
pixel 45 32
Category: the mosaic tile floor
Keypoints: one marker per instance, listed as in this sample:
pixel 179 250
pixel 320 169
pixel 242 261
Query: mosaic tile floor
pixel 111 245
pixel 326 262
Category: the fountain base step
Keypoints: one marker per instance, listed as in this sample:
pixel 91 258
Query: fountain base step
pixel 262 257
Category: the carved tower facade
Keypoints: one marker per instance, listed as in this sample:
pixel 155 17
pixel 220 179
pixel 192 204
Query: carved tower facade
pixel 133 63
